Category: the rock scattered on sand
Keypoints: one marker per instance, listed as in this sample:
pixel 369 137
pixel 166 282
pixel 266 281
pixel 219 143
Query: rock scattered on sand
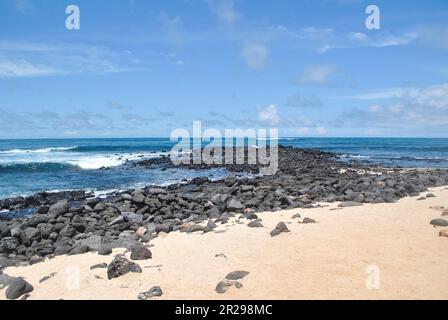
pixel 223 286
pixel 17 288
pixel 308 220
pixel 251 216
pixel 51 275
pixel 421 198
pixel 192 228
pixel 99 266
pixel 439 222
pixel 121 266
pixel 349 204
pixel 443 233
pixel 430 195
pixel 280 228
pixel 255 224
pixel 445 213
pixel 296 216
pixel 236 275
pixel 220 255
pixel 140 252
pixel 153 292
pixel 437 207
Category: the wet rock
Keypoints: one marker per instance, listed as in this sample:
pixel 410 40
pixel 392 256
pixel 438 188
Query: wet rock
pixel 17 288
pixel 153 292
pixel 236 275
pixel 121 266
pixel 140 252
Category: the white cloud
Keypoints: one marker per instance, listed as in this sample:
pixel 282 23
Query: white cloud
pixel 255 55
pixel 225 11
pixel 21 68
pixel 269 115
pixel 422 108
pixel 21 59
pixel 325 39
pixel 317 75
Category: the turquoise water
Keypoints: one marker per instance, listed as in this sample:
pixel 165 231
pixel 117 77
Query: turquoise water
pixel 30 166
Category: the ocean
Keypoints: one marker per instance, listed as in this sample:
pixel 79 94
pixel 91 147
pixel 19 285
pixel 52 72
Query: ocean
pixel 100 165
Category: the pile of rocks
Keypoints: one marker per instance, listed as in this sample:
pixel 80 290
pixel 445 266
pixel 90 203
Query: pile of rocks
pixel 78 224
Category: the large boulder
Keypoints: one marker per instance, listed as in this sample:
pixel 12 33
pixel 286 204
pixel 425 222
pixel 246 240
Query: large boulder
pixel 4 230
pixel 8 244
pixel 31 234
pixel 235 205
pixel 59 208
pixel 17 288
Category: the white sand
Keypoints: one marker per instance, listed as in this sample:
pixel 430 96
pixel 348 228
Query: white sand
pixel 337 258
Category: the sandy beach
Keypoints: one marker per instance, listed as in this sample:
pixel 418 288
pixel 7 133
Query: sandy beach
pixel 374 251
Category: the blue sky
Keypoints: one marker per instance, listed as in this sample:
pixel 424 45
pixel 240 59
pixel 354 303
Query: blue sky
pixel 140 68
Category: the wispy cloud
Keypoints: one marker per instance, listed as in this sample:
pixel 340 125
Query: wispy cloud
pixel 22 68
pixel 409 108
pixel 325 39
pixel 317 75
pixel 25 59
pixel 225 11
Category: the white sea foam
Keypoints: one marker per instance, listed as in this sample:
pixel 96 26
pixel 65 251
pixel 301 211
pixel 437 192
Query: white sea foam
pixel 87 161
pixel 42 150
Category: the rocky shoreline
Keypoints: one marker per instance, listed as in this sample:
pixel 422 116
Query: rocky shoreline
pixel 75 222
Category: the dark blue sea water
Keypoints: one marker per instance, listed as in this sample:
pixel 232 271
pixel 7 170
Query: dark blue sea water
pixel 30 166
